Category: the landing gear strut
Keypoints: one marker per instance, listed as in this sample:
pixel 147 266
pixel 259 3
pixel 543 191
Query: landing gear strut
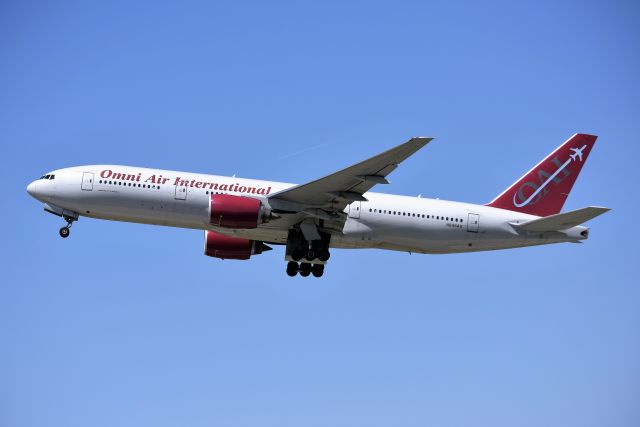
pixel 66 230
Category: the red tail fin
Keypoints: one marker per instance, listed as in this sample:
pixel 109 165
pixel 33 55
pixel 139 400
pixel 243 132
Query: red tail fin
pixel 543 190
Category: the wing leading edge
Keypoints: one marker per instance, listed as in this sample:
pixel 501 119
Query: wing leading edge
pixel 332 193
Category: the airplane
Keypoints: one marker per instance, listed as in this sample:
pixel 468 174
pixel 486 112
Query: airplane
pixel 577 152
pixel 242 217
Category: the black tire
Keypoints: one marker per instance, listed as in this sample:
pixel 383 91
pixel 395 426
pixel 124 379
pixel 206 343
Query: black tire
pixel 323 255
pixel 64 232
pixel 292 268
pixel 311 255
pixel 292 272
pixel 317 270
pixel 305 269
pixel 296 254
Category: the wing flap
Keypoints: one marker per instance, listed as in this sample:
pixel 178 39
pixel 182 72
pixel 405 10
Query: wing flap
pixel 562 221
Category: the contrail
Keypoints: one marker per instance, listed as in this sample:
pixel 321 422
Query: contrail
pixel 315 147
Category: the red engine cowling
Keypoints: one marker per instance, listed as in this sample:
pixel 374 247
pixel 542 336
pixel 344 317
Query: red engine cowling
pixel 225 247
pixel 230 211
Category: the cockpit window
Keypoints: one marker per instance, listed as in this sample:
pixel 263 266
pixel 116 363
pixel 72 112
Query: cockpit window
pixel 48 176
pixel 52 176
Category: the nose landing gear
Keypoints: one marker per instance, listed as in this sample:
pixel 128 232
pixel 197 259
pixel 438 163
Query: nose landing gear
pixel 66 230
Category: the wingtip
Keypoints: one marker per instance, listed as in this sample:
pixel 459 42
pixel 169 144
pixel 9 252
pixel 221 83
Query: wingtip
pixel 422 139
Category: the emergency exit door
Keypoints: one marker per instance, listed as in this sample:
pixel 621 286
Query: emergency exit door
pixel 354 210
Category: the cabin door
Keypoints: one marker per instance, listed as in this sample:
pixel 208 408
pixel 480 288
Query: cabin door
pixel 181 192
pixel 473 224
pixel 87 181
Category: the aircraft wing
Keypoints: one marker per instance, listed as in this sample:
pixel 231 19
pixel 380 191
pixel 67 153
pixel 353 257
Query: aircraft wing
pixel 562 221
pixel 331 194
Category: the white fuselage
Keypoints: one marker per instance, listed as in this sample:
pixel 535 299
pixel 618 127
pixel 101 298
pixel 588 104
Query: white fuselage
pixel 385 221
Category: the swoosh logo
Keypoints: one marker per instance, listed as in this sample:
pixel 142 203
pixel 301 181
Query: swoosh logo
pixel 544 184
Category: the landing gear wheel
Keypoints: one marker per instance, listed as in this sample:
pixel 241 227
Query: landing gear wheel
pixel 292 268
pixel 296 254
pixel 317 270
pixel 64 231
pixel 323 255
pixel 305 269
pixel 311 255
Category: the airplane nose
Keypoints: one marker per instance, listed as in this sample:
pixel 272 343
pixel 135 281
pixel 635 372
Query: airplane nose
pixel 32 189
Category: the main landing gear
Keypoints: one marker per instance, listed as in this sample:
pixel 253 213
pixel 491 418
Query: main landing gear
pixel 66 230
pixel 304 268
pixel 307 257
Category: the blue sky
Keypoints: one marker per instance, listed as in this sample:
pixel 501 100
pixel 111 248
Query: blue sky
pixel 132 325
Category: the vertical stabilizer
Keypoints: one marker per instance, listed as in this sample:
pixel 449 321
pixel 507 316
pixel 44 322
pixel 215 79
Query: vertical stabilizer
pixel 543 190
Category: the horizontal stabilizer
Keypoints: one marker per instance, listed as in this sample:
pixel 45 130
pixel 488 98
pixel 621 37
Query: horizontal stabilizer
pixel 562 221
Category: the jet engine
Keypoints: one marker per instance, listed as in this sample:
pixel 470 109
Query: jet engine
pixel 230 211
pixel 226 247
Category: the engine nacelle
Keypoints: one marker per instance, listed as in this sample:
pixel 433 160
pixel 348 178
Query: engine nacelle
pixel 226 247
pixel 230 211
